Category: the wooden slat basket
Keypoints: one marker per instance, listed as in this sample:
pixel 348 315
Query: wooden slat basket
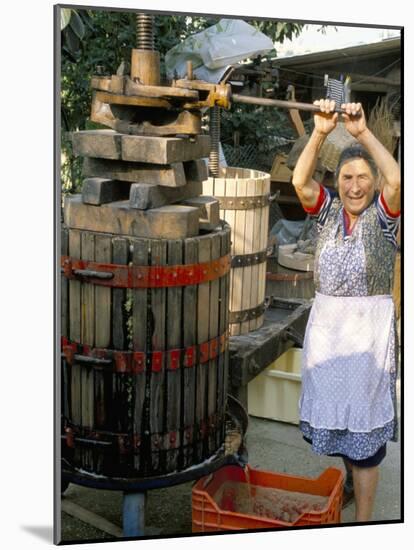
pixel 244 205
pixel 144 379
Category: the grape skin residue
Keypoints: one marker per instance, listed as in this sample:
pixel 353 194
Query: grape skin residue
pixel 267 502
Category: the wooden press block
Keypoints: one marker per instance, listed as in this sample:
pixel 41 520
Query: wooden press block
pixel 196 170
pixel 100 191
pixel 172 222
pixel 171 175
pixel 209 211
pixel 164 150
pixel 105 144
pixel 117 84
pixel 148 195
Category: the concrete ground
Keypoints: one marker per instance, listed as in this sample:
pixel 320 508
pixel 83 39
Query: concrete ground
pixel 274 446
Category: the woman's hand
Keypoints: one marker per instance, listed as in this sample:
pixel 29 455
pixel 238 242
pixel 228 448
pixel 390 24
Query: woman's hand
pixel 325 121
pixel 354 119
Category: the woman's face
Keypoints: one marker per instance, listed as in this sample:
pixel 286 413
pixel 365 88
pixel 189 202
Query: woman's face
pixel 356 185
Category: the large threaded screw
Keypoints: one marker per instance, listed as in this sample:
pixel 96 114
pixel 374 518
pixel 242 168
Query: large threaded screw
pixel 145 33
pixel 213 161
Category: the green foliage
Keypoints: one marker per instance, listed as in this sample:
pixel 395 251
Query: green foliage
pixel 90 40
pixel 256 125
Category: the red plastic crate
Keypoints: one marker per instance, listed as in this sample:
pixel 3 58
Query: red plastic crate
pixel 207 515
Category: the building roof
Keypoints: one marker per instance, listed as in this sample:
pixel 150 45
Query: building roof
pixel 361 51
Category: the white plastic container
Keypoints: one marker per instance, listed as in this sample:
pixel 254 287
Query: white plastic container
pixel 275 392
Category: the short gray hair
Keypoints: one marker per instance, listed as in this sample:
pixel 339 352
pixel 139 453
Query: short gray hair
pixel 355 152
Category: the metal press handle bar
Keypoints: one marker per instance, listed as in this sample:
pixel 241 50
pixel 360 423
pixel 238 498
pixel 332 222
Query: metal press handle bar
pixel 237 98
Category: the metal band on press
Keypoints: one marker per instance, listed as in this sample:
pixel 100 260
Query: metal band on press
pixel 246 314
pixel 157 276
pixel 244 260
pixel 243 203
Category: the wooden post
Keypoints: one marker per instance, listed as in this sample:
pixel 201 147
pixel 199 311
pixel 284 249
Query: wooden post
pixel 140 255
pixel 189 371
pixel 203 313
pixel 158 312
pixel 174 312
pixel 145 67
pixel 213 363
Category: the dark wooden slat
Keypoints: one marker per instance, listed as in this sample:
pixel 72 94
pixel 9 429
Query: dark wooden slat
pixel 173 378
pixel 224 327
pixel 189 339
pixel 64 286
pixel 102 381
pixel 75 335
pixel 158 309
pixel 87 337
pixel 103 253
pixel 213 333
pixel 88 292
pixel 139 341
pixel 203 305
pixel 65 389
pixel 75 290
pixel 120 249
pixel 226 355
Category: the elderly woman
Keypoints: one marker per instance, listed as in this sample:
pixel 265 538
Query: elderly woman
pixel 347 405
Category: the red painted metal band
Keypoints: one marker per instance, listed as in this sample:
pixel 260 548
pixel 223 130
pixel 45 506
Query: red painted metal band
pixel 134 362
pixel 125 276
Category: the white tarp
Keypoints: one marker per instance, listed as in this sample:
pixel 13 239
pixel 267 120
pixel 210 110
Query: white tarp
pixel 213 50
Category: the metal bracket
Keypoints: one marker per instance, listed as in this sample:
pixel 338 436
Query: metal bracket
pixel 245 260
pixel 291 334
pixel 243 203
pixel 246 314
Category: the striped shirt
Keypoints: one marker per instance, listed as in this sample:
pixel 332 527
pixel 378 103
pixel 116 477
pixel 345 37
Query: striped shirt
pixel 389 221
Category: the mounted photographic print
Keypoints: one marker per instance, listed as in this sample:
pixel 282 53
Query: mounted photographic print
pixel 228 208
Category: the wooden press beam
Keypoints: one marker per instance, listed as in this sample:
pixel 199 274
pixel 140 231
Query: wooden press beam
pixel 108 144
pixel 148 195
pixel 172 221
pixel 171 175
